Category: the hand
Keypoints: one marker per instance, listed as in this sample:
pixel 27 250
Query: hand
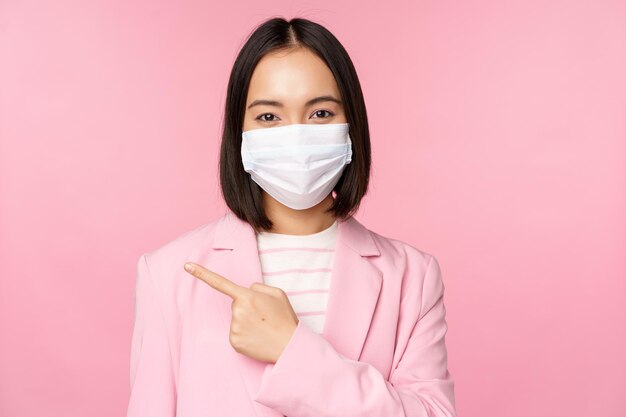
pixel 262 321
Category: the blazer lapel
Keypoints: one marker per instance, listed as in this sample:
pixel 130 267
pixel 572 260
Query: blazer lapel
pixel 354 290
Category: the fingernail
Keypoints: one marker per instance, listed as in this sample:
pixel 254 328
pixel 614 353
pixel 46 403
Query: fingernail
pixel 188 267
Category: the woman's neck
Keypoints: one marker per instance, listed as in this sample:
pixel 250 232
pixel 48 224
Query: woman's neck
pixel 299 222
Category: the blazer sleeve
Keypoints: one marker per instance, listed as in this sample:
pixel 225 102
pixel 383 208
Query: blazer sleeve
pixel 311 379
pixel 152 383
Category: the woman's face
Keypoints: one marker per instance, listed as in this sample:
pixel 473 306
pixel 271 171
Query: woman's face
pixel 293 86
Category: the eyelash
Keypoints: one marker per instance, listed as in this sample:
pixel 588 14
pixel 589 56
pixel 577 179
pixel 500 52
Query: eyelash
pixel 327 111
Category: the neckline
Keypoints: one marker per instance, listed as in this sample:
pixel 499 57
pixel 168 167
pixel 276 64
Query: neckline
pixel 271 235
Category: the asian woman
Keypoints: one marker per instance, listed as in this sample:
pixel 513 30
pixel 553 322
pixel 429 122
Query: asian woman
pixel 286 305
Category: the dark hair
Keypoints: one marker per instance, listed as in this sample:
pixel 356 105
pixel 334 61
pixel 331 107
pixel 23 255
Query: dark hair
pixel 242 195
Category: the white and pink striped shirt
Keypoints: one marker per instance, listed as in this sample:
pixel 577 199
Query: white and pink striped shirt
pixel 300 265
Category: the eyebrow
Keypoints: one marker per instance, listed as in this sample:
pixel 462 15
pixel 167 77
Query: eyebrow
pixel 307 104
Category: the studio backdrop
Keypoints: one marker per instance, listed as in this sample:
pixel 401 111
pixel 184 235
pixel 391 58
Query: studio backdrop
pixel 498 136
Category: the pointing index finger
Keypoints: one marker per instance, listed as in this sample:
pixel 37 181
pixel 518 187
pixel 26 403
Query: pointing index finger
pixel 215 280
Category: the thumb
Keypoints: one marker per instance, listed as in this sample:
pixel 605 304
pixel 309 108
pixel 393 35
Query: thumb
pixel 266 289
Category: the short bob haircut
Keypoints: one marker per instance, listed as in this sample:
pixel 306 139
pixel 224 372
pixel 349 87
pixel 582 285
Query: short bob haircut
pixel 241 194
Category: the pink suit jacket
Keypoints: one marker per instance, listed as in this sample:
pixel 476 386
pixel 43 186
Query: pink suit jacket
pixel 382 351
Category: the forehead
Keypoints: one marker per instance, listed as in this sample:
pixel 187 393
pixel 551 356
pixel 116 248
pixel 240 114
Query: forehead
pixel 291 76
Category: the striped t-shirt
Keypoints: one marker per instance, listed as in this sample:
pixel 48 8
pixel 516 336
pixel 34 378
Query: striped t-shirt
pixel 301 266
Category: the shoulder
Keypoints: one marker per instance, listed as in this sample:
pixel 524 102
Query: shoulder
pixel 401 252
pixel 172 253
pixel 417 270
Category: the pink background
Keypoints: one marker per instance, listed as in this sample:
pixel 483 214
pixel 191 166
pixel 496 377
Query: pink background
pixel 498 133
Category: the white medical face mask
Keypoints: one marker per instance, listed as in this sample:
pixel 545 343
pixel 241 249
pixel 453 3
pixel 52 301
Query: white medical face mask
pixel 297 164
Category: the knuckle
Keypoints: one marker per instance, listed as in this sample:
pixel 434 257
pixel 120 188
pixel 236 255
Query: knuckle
pixel 236 311
pixel 246 298
pixel 232 338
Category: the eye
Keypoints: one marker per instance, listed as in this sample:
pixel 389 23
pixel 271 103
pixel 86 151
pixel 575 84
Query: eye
pixel 263 119
pixel 321 111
